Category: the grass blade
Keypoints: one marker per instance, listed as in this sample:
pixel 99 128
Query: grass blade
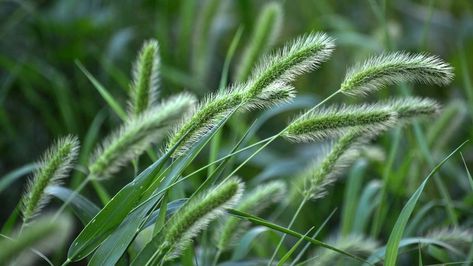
pixel 116 107
pixel 259 221
pixel 398 230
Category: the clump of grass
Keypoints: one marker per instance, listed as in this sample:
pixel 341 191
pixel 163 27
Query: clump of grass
pixel 137 134
pixel 394 68
pixel 254 202
pixel 198 212
pixel 144 86
pixel 55 163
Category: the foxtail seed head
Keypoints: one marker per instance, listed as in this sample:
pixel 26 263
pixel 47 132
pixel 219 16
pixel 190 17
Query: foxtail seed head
pixel 137 134
pixel 394 68
pixel 144 87
pixel 55 163
pixel 196 215
pixel 334 121
pixel 303 55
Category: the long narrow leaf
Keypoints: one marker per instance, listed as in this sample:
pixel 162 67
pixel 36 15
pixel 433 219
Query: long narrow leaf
pixel 392 247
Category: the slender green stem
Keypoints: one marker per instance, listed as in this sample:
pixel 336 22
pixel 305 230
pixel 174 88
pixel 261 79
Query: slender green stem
pixel 291 223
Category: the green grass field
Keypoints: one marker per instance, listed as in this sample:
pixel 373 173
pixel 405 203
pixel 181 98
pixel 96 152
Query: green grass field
pixel 235 133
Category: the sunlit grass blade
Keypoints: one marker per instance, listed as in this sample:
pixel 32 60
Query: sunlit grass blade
pixel 116 107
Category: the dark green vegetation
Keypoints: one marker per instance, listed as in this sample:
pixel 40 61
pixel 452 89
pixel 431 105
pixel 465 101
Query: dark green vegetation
pixel 236 132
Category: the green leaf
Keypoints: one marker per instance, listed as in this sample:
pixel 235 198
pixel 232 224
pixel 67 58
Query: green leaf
pixel 117 242
pixel 259 221
pixel 380 253
pixel 289 253
pixel 105 94
pixel 14 175
pixel 244 246
pixel 84 209
pixel 398 230
pixel 98 229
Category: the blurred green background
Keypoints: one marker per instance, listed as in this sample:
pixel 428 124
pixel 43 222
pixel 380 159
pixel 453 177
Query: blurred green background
pixel 44 95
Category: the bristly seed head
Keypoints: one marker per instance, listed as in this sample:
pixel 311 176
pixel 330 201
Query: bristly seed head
pixel 55 163
pixel 196 215
pixel 303 55
pixel 144 87
pixel 395 68
pixel 334 121
pixel 137 134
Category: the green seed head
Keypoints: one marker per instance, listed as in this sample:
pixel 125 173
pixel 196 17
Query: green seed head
pixel 394 68
pixel 144 87
pixel 56 164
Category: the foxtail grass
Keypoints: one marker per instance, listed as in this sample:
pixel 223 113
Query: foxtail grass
pixel 145 82
pixel 395 68
pixel 193 217
pixel 267 85
pixel 137 134
pixel 41 236
pixel 55 165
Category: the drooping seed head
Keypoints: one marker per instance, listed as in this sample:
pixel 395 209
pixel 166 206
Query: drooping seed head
pixel 275 94
pixel 303 55
pixel 44 235
pixel 394 68
pixel 144 87
pixel 137 134
pixel 55 165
